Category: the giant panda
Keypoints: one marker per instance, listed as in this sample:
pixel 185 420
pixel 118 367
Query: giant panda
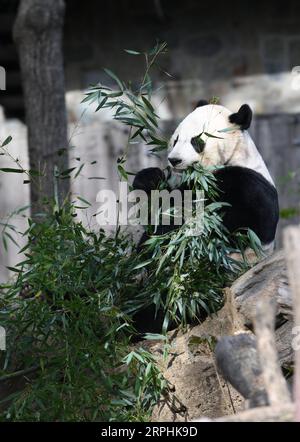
pixel 244 180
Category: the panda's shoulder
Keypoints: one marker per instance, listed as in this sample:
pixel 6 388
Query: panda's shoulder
pixel 243 176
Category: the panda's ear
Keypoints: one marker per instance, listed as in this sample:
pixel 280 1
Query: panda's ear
pixel 201 103
pixel 243 117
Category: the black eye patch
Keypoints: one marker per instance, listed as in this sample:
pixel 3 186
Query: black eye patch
pixel 175 141
pixel 198 144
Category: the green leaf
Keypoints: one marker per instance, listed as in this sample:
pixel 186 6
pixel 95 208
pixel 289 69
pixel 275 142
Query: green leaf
pixel 9 170
pixel 155 337
pixel 115 94
pixel 6 141
pixel 131 52
pixel 96 178
pixel 122 172
pixel 4 243
pixel 143 264
pixel 84 200
pixel 14 269
pixel 127 360
pixel 67 171
pixel 101 104
pixel 147 103
pixel 139 357
pixel 212 136
pixel 11 238
pixel 33 172
pixel 79 170
pixel 24 248
pixel 87 98
pixel 114 77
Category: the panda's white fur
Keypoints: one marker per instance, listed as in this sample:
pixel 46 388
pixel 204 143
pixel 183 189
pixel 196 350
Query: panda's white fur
pixel 233 147
pixel 244 183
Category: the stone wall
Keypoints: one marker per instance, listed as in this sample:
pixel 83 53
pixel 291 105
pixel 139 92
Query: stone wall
pixel 240 52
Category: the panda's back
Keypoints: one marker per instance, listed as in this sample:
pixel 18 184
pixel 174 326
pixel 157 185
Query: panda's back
pixel 253 201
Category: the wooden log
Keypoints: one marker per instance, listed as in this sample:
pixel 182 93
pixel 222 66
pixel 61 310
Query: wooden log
pixel 291 240
pixel 274 381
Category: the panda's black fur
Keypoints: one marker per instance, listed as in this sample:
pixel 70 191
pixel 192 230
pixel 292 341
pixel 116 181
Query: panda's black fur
pixel 253 204
pixel 253 200
pixel 242 118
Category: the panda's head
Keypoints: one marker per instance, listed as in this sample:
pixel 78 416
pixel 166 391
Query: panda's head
pixel 210 135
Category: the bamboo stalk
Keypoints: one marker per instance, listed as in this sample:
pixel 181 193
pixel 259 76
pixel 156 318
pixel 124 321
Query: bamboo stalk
pixel 19 373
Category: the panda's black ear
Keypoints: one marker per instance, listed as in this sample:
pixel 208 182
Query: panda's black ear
pixel 201 103
pixel 243 117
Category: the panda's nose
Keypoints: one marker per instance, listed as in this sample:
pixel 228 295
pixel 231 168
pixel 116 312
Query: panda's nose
pixel 174 161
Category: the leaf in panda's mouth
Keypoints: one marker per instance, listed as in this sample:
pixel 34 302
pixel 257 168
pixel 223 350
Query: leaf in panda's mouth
pixel 212 136
pixel 227 129
pixel 177 171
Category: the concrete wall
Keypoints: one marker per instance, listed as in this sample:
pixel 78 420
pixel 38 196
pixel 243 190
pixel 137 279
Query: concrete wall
pixel 277 137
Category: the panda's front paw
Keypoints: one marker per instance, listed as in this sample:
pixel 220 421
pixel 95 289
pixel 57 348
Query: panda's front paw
pixel 148 179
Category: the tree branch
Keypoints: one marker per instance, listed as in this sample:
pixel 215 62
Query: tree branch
pixel 274 381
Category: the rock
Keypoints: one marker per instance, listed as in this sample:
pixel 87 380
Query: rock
pixel 197 388
pixel 268 278
pixel 238 361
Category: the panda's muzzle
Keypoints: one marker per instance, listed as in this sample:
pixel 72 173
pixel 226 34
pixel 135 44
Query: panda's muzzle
pixel 174 161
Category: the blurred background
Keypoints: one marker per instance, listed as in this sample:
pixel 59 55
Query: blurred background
pixel 241 52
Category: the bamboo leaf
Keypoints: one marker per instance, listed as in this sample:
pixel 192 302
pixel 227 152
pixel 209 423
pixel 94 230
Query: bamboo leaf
pixel 6 141
pixel 131 52
pixel 10 170
pixel 114 77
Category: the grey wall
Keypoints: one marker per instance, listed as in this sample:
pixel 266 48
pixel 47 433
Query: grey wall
pixel 215 43
pixel 207 40
pixel 239 51
pixel 278 139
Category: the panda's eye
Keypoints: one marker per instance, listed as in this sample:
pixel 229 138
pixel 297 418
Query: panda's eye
pixel 175 141
pixel 198 144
